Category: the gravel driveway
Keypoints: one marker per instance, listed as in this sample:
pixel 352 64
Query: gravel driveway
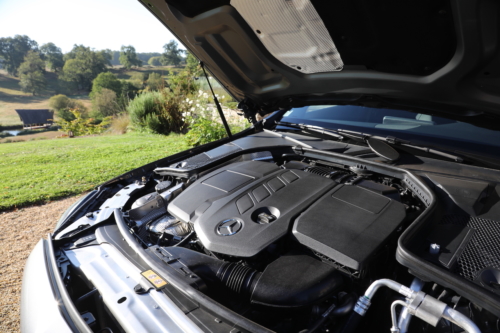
pixel 21 230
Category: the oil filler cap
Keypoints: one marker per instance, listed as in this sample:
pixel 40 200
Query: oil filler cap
pixel 264 218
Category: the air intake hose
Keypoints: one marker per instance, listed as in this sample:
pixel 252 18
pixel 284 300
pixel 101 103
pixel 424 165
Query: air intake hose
pixel 291 281
pixel 240 279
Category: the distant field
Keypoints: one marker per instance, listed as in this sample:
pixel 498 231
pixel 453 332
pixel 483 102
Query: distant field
pixel 40 171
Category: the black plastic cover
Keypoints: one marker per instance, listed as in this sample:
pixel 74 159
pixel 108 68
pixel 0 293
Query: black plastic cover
pixel 349 224
pixel 240 192
pixel 295 280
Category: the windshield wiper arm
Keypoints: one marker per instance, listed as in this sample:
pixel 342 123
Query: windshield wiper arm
pixel 312 129
pixel 399 142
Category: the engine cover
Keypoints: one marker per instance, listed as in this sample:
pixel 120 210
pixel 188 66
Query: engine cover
pixel 225 205
pixel 349 224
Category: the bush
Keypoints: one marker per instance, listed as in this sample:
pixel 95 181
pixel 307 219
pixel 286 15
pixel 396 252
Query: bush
pixel 137 80
pixel 157 112
pixel 106 80
pixel 4 135
pixel 62 104
pixel 105 104
pixel 183 83
pixel 81 126
pixel 155 82
pixel 205 130
pixel 120 124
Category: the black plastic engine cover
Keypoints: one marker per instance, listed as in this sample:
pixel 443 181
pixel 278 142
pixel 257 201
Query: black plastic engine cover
pixel 240 192
pixel 349 224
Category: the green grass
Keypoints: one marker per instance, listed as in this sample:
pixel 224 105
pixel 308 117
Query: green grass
pixel 34 172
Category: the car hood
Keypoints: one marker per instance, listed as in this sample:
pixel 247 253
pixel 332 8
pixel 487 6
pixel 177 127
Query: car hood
pixel 434 54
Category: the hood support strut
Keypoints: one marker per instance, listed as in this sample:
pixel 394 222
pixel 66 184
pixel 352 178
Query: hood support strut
pixel 217 104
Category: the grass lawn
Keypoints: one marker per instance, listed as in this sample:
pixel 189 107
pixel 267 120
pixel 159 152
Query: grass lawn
pixel 39 171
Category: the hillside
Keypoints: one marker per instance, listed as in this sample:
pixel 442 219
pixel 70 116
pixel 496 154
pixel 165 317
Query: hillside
pixel 11 96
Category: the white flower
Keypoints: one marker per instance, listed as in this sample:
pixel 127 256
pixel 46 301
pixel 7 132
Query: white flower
pixel 223 96
pixel 200 92
pixel 190 102
pixel 183 114
pixel 197 105
pixel 205 95
pixel 216 95
pixel 187 100
pixel 192 109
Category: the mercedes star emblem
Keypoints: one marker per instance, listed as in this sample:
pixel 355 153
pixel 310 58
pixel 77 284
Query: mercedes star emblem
pixel 228 227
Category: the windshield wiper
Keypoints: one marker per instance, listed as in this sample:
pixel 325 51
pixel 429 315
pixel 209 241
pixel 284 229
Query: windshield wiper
pixel 399 142
pixel 340 134
pixel 312 129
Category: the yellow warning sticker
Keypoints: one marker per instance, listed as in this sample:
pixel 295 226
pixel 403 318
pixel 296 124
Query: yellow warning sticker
pixel 155 279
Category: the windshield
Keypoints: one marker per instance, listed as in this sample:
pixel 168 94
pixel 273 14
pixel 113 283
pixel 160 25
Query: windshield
pixel 416 127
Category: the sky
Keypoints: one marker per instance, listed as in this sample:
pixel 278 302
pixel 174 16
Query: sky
pixel 100 24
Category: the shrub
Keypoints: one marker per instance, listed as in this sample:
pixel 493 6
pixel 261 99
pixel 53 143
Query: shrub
pixel 80 126
pixel 5 134
pixel 120 124
pixel 59 102
pixel 105 104
pixel 62 104
pixel 157 112
pixel 106 80
pixel 204 130
pixel 183 83
pixel 155 82
pixel 137 80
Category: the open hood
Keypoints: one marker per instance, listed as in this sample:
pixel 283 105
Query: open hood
pixel 437 54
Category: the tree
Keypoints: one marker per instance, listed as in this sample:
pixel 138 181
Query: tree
pixel 155 81
pixel 171 54
pixel 53 56
pixel 83 65
pixel 13 51
pixel 31 73
pixel 106 80
pixel 193 65
pixel 154 61
pixel 128 57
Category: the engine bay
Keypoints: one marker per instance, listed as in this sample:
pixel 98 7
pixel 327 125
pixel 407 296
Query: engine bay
pixel 288 241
